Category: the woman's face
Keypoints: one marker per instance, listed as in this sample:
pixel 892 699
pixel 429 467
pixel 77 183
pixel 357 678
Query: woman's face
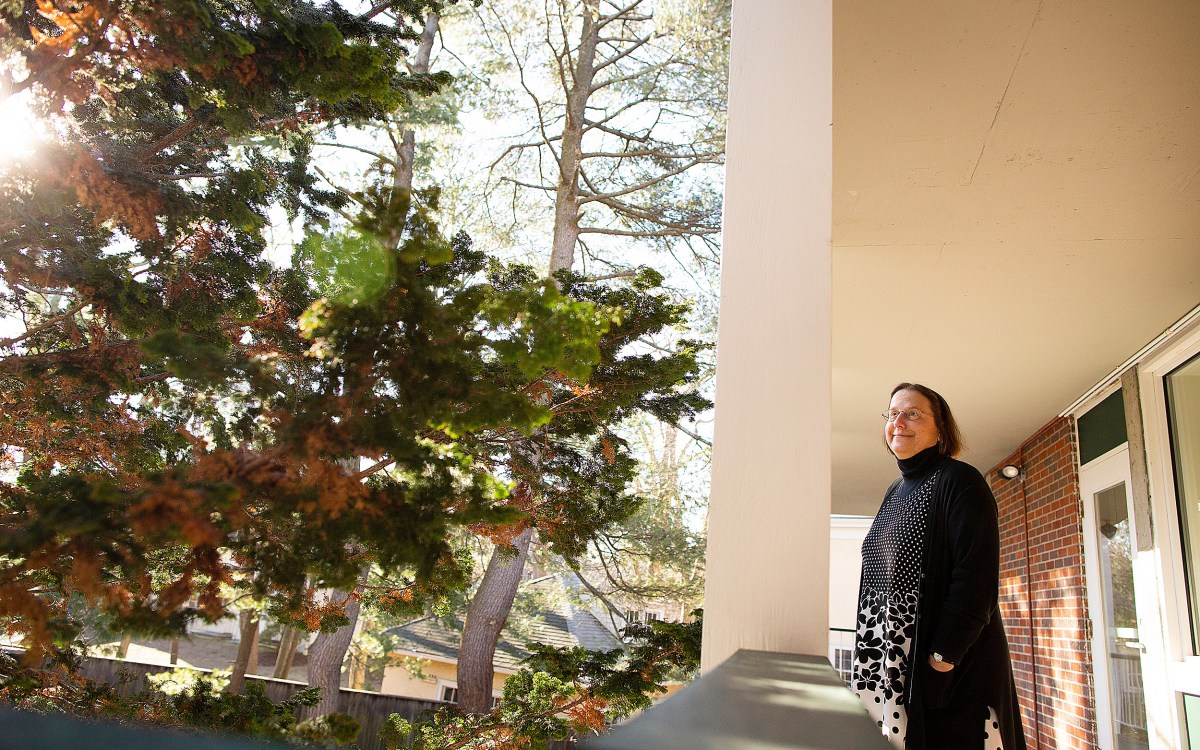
pixel 908 437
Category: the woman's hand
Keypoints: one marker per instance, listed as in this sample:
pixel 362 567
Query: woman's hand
pixel 941 666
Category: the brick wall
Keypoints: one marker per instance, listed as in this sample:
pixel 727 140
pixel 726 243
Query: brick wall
pixel 1043 596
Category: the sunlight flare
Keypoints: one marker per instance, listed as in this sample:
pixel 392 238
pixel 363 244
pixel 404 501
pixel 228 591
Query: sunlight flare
pixel 18 127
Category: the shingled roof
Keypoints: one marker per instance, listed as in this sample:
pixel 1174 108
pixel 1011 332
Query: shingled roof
pixel 562 625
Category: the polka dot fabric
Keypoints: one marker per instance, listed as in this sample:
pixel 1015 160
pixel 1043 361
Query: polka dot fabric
pixel 991 732
pixel 887 610
pixel 891 585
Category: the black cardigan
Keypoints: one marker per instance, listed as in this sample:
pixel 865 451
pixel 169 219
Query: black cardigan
pixel 958 615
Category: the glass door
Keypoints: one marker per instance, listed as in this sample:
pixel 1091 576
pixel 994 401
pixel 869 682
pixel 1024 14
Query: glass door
pixel 1116 640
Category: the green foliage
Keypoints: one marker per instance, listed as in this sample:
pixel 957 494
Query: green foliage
pixel 174 391
pixel 181 698
pixel 626 681
pixel 561 691
pixel 396 732
pixel 183 680
pixel 204 705
pixel 336 728
pixel 185 418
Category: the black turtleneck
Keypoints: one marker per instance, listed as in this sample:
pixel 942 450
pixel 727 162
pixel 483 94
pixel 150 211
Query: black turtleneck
pixel 914 469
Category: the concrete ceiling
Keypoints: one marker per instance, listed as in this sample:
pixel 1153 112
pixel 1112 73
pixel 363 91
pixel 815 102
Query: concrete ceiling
pixel 1016 209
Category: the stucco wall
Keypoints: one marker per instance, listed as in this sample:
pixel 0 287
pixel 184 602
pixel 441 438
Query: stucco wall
pixel 397 680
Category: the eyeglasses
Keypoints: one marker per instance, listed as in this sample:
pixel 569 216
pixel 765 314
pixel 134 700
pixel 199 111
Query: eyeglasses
pixel 910 415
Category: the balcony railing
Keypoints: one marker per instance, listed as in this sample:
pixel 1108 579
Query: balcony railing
pixel 1130 698
pixel 756 699
pixel 841 651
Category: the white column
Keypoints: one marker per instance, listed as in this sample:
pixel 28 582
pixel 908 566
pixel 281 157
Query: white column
pixel 768 539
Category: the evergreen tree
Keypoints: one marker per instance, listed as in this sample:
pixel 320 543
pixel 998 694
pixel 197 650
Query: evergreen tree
pixel 619 135
pixel 179 412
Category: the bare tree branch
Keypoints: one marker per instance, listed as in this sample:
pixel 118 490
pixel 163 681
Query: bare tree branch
pixel 634 45
pixel 360 149
pixel 631 76
pixel 514 181
pixel 45 325
pixel 584 198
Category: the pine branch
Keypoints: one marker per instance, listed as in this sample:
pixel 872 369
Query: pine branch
pixel 376 9
pixel 614 275
pixel 513 180
pixel 632 76
pixel 634 45
pixel 593 125
pixel 656 152
pixel 374 468
pixel 521 147
pixel 693 435
pixel 608 603
pixel 646 233
pixel 198 118
pixel 660 177
pixel 45 325
pixel 360 149
pixel 623 14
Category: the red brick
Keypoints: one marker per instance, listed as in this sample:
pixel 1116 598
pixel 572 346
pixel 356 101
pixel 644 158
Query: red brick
pixel 1043 595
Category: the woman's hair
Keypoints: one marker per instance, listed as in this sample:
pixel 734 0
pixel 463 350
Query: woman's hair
pixel 950 442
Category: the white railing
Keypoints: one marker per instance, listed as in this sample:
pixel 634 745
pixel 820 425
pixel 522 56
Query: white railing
pixel 841 651
pixel 1129 697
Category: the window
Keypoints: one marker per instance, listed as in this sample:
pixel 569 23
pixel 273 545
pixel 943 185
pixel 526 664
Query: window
pixel 642 616
pixel 1102 428
pixel 1183 414
pixel 448 691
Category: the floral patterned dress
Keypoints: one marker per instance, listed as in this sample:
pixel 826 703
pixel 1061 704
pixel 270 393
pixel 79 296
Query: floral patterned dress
pixel 893 551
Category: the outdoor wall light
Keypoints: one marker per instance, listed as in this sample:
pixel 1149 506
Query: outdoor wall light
pixel 1010 471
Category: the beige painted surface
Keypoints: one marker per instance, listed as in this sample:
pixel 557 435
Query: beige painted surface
pixel 1016 208
pixel 845 567
pixel 768 544
pixel 399 681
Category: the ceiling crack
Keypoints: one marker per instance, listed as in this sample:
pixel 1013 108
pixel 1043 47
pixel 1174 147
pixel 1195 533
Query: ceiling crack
pixel 999 105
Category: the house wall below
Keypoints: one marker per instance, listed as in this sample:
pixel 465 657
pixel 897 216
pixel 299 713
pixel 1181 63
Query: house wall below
pixel 1043 594
pixel 399 681
pixel 845 566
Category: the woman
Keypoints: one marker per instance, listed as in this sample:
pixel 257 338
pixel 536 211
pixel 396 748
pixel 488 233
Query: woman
pixel 931 660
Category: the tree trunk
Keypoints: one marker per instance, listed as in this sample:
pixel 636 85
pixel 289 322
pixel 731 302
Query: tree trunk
pixel 123 649
pixel 325 657
pixel 289 639
pixel 406 149
pixel 406 144
pixel 246 648
pixel 174 650
pixel 485 619
pixel 252 659
pixel 494 598
pixel 328 651
pixel 358 668
pixel 566 199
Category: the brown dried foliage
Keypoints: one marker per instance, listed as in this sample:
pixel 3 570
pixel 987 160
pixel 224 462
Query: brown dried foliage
pixel 589 713
pixel 111 200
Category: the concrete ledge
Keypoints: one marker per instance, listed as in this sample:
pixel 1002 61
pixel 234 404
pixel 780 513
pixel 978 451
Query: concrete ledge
pixel 755 700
